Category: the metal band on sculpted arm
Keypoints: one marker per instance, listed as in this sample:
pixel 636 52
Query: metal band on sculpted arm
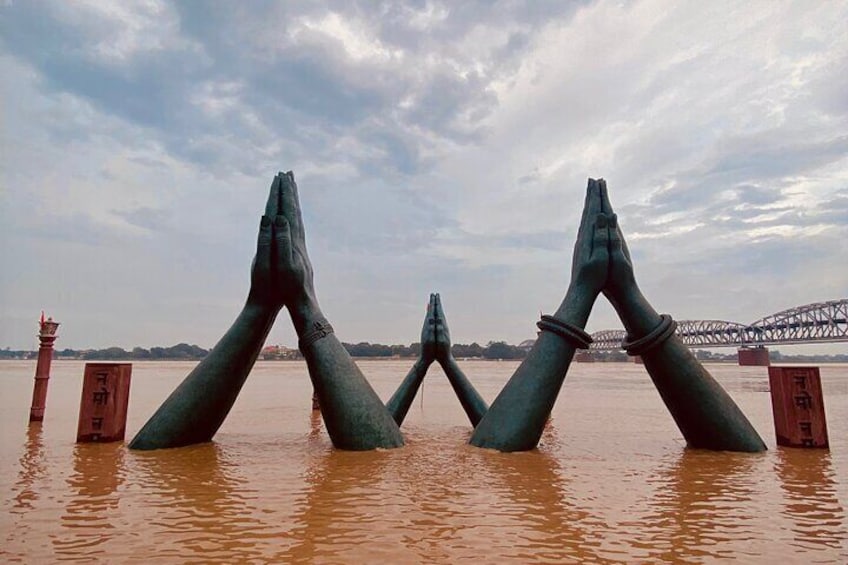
pixel 664 330
pixel 571 333
pixel 353 414
pixel 320 329
pixel 517 417
pixel 705 414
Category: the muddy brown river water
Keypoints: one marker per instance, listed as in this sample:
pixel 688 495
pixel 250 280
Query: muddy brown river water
pixel 611 481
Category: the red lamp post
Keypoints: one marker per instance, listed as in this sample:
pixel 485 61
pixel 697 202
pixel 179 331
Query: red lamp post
pixel 46 335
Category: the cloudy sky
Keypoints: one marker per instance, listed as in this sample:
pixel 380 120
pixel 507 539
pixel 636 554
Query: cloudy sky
pixel 438 146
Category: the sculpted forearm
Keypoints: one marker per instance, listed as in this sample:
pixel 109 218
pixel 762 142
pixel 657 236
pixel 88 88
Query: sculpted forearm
pixel 517 417
pixel 473 404
pixel 353 413
pixel 706 415
pixel 355 417
pixel 398 405
pixel 636 313
pixel 197 408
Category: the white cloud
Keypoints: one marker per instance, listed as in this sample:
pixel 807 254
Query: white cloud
pixel 429 16
pixel 439 147
pixel 357 41
pixel 121 31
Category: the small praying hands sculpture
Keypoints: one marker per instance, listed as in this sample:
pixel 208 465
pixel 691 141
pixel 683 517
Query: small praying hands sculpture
pixel 355 417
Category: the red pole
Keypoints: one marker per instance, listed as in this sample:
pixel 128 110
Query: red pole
pixel 46 335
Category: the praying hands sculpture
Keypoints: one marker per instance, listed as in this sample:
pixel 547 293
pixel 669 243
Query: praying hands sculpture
pixel 281 275
pixel 705 414
pixel 353 414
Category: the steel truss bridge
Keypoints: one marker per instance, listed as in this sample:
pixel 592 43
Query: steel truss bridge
pixel 820 322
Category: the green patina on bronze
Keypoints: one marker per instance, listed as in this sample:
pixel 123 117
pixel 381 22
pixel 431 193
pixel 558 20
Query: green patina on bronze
pixel 469 398
pixel 706 415
pixel 355 417
pixel 281 275
pixel 518 415
pixel 398 405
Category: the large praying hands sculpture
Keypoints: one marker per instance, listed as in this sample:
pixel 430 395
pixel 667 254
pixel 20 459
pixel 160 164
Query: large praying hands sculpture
pixel 281 275
pixel 705 414
pixel 355 417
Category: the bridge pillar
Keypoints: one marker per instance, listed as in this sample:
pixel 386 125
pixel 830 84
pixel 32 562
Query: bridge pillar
pixel 753 357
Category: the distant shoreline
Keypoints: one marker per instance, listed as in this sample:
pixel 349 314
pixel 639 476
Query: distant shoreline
pixel 388 359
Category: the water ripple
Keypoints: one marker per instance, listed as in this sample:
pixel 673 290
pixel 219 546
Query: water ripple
pixel 611 482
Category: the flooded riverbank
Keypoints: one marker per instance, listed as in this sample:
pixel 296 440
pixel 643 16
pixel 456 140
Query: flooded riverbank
pixel 611 480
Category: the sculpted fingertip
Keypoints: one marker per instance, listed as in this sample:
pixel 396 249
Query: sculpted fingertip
pixel 265 222
pixel 280 221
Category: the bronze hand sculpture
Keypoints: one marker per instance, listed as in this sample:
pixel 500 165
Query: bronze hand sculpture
pixel 704 412
pixel 355 417
pixel 281 276
pixel 517 417
pixel 706 415
pixel 199 405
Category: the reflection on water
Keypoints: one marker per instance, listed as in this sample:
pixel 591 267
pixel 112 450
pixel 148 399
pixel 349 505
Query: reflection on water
pixel 810 498
pixel 201 503
pixel 538 499
pixel 342 498
pixel 699 506
pixel 87 522
pixel 611 481
pixel 315 423
pixel 452 503
pixel 32 466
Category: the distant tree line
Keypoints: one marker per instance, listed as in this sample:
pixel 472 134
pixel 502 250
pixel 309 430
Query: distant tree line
pixel 179 352
pixel 775 356
pixel 184 351
pixel 492 350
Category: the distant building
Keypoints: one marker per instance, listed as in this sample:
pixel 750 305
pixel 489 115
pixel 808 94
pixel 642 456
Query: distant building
pixel 277 352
